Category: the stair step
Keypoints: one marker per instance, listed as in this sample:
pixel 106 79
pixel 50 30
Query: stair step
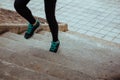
pixel 41 65
pixel 93 39
pixel 92 54
pixel 81 44
pixel 74 36
pixel 87 55
pixel 13 45
pixel 59 59
pixel 11 71
pixel 30 42
pixel 43 35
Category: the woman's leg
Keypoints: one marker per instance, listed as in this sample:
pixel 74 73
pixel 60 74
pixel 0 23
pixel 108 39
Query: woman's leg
pixel 23 10
pixel 50 15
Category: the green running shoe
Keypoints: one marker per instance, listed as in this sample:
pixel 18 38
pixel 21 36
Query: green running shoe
pixel 54 46
pixel 31 29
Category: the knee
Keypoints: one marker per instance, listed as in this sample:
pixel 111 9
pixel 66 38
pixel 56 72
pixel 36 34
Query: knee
pixel 17 5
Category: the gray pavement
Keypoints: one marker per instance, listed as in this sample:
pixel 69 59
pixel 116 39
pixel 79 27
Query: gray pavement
pixel 96 18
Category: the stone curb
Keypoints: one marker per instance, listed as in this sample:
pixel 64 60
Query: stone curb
pixel 20 28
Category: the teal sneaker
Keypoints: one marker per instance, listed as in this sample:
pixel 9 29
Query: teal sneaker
pixel 54 46
pixel 31 29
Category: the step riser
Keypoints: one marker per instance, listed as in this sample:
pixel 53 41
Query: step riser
pixel 3 30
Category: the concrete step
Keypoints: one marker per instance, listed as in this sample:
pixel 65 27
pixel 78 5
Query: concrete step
pixel 30 42
pixel 93 39
pixel 90 56
pixel 11 71
pixel 43 35
pixel 58 59
pixel 40 65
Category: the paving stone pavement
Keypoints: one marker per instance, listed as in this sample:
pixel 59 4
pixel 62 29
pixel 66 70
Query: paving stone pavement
pixel 96 18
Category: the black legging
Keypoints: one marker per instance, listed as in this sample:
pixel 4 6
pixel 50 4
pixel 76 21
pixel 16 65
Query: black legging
pixel 50 5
